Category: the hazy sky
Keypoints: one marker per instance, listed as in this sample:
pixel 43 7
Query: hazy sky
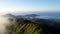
pixel 28 5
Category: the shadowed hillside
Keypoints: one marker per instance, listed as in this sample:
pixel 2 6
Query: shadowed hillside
pixel 36 26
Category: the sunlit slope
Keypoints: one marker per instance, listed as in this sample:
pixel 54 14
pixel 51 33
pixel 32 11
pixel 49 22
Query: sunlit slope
pixel 24 27
pixel 38 26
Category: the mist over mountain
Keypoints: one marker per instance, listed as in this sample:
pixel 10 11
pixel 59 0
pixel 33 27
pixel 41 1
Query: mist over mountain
pixel 42 14
pixel 27 16
pixel 49 25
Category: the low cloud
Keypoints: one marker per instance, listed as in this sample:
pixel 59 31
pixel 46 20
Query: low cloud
pixel 4 21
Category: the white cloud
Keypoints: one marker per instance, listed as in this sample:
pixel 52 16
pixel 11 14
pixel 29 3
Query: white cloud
pixel 14 9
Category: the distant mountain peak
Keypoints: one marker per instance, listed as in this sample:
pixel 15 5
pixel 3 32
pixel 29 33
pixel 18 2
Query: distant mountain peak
pixel 9 15
pixel 32 15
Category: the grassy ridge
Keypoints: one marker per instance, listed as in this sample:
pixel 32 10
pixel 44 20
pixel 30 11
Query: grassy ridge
pixel 34 27
pixel 24 27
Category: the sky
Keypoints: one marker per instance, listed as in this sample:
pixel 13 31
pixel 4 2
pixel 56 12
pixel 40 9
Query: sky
pixel 7 6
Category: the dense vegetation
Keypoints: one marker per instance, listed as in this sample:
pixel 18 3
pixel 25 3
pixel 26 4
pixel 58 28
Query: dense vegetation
pixel 37 26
